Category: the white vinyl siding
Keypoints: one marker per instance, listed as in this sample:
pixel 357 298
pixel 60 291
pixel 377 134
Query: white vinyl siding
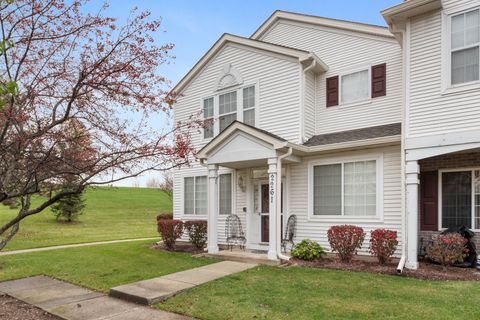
pixel 344 51
pixel 195 195
pixel 316 227
pixel 434 108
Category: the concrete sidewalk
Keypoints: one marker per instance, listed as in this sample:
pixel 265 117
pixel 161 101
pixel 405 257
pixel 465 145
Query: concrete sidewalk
pixel 66 246
pixel 151 291
pixel 76 303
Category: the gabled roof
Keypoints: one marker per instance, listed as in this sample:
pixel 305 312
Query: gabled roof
pixel 394 129
pixel 276 141
pixel 316 20
pixel 302 56
pixel 407 9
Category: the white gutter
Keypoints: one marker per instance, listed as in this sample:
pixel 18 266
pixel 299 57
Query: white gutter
pixel 279 213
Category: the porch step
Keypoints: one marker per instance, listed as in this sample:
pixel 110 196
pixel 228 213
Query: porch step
pixel 243 256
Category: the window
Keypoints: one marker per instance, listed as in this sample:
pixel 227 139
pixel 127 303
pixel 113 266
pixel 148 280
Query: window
pixel 460 199
pixel 195 195
pixel 249 106
pixel 354 86
pixel 208 118
pixel 345 189
pixel 465 44
pixel 225 193
pixel 227 109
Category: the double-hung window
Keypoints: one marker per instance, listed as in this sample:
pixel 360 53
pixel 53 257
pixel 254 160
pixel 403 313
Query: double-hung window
pixel 195 195
pixel 349 188
pixel 208 118
pixel 354 86
pixel 249 106
pixel 227 109
pixel 464 47
pixel 460 198
pixel 234 105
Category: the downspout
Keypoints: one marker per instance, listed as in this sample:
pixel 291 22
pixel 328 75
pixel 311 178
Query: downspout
pixel 405 71
pixel 279 205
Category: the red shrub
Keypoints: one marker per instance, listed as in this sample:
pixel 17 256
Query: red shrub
pixel 197 232
pixel 345 240
pixel 383 244
pixel 170 231
pixel 447 249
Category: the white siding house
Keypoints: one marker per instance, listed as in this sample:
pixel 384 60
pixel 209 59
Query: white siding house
pixel 335 122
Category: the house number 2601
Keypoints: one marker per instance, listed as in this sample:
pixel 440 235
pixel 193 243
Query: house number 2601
pixel 272 187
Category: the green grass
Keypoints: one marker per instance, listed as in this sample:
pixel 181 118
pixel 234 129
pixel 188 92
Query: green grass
pixel 302 293
pixel 99 267
pixel 111 213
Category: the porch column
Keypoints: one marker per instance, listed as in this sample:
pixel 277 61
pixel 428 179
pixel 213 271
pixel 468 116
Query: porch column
pixel 212 236
pixel 272 214
pixel 412 181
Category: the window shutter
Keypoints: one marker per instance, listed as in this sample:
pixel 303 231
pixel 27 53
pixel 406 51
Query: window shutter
pixel 379 80
pixel 429 201
pixel 332 91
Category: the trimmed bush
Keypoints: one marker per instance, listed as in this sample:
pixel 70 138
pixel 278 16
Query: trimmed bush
pixel 197 232
pixel 165 216
pixel 170 231
pixel 307 250
pixel 345 240
pixel 447 249
pixel 383 244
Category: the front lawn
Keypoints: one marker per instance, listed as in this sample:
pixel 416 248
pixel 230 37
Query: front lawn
pixel 303 293
pixel 99 267
pixel 111 213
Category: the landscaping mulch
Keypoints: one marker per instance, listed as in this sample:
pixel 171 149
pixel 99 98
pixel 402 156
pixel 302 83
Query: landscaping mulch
pixel 426 270
pixel 179 247
pixel 13 309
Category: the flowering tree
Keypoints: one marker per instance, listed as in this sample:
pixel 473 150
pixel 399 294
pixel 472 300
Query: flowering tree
pixel 70 78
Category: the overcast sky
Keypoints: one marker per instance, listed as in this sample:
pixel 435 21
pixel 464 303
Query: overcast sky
pixel 194 26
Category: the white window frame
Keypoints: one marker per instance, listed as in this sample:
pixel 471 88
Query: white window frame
pixel 213 117
pixel 447 86
pixel 216 115
pixel 195 176
pixel 199 174
pixel 368 99
pixel 378 157
pixel 232 195
pixel 440 195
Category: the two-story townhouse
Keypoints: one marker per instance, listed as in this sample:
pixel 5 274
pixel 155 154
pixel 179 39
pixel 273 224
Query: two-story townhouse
pixel 440 43
pixel 303 118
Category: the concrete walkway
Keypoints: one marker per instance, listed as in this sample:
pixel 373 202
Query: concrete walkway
pixel 66 246
pixel 151 291
pixel 76 303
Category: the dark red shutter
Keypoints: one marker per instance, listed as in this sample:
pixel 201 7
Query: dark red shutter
pixel 332 91
pixel 429 201
pixel 379 80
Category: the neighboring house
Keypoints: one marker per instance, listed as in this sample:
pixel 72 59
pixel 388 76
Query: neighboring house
pixel 337 122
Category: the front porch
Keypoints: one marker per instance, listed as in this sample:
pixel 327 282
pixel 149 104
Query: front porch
pixel 258 165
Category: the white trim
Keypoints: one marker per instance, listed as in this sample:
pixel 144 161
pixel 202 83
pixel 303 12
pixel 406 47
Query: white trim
pixel 440 176
pixel 361 101
pixel 378 157
pixel 194 215
pixel 446 82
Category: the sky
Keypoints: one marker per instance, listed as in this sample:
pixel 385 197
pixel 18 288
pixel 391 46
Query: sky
pixel 194 26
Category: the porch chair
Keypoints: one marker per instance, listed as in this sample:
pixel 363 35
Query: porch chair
pixel 234 232
pixel 290 232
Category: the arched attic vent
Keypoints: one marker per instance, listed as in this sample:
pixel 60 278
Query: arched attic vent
pixel 229 77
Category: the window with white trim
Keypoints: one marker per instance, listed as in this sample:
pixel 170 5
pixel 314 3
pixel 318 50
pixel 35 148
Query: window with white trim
pixel 460 199
pixel 208 118
pixel 249 105
pixel 225 194
pixel 234 105
pixel 355 86
pixel 345 189
pixel 464 47
pixel 195 195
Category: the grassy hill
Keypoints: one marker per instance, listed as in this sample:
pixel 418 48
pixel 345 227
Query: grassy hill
pixel 111 213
